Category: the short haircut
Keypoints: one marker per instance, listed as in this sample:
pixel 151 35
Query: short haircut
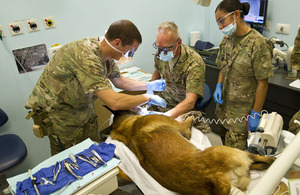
pixel 169 26
pixel 124 30
pixel 233 5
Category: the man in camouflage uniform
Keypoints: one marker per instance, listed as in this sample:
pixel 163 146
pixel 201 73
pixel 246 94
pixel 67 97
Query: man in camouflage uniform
pixel 79 72
pixel 184 71
pixel 244 60
pixel 295 58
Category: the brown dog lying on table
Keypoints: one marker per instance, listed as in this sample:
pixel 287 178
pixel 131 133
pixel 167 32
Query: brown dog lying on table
pixel 163 150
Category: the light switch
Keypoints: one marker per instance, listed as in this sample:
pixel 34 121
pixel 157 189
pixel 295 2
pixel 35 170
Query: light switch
pixel 283 29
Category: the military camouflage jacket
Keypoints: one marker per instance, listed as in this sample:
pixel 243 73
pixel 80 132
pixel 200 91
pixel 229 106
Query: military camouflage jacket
pixel 187 76
pixel 72 75
pixel 295 58
pixel 241 67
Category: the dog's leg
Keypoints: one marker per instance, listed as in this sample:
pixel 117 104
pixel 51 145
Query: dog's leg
pixel 187 126
pixel 260 162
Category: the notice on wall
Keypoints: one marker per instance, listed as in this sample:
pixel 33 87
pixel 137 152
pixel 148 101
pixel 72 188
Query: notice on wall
pixel 31 58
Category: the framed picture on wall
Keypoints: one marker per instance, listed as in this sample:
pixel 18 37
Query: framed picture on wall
pixel 31 58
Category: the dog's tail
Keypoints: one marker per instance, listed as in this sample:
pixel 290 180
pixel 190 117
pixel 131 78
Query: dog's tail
pixel 260 162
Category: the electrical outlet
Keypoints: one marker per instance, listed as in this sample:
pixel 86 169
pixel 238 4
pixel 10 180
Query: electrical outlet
pixel 2 31
pixel 15 28
pixel 49 22
pixel 283 29
pixel 268 25
pixel 32 25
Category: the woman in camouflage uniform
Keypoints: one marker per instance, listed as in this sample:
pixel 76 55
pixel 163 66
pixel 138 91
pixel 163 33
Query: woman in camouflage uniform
pixel 244 60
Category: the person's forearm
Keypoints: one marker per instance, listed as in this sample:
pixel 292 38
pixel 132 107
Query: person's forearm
pixel 130 84
pixel 120 101
pixel 183 107
pixel 220 77
pixel 261 93
pixel 155 76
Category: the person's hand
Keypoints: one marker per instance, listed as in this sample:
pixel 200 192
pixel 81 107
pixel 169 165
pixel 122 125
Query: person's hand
pixel 218 93
pixel 254 120
pixel 157 85
pixel 156 100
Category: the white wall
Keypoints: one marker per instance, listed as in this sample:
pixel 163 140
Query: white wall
pixel 76 19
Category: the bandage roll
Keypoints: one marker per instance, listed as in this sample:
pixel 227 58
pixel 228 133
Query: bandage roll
pixel 194 37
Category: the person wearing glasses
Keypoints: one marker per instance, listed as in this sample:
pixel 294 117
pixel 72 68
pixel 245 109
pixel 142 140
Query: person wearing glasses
pixel 79 72
pixel 244 60
pixel 182 68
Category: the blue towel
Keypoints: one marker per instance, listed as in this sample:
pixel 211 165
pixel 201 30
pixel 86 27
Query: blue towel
pixel 106 151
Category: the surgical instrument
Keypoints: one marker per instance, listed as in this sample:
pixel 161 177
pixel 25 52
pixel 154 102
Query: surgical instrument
pixel 69 170
pixel 33 181
pixel 55 173
pixel 93 152
pixel 46 181
pixel 73 159
pixel 86 159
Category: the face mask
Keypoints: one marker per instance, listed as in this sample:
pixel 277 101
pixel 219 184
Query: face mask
pixel 230 29
pixel 166 57
pixel 125 57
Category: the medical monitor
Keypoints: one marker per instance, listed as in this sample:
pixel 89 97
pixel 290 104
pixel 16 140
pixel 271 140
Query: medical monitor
pixel 258 11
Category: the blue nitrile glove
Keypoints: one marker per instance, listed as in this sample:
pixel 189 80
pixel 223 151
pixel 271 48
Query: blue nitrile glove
pixel 154 112
pixel 254 120
pixel 218 93
pixel 156 100
pixel 157 85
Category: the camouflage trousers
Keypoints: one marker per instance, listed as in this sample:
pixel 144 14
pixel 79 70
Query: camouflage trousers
pixel 66 136
pixel 233 139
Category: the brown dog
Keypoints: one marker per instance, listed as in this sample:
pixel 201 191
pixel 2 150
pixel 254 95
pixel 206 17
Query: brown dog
pixel 162 147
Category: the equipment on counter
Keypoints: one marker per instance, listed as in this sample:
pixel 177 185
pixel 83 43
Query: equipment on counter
pixel 286 56
pixel 265 140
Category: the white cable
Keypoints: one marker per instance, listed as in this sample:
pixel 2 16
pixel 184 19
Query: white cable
pixel 219 121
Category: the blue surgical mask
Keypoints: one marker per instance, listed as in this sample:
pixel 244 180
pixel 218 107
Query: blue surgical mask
pixel 166 56
pixel 229 29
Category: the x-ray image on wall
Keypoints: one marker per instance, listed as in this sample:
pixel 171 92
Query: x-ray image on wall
pixel 31 58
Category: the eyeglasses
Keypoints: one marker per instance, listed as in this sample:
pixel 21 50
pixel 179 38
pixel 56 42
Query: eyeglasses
pixel 165 48
pixel 129 53
pixel 221 21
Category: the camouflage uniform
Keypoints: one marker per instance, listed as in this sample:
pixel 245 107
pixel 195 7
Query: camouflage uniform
pixel 187 76
pixel 293 127
pixel 241 67
pixel 295 58
pixel 65 92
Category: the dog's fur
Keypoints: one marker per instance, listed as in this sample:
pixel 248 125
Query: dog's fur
pixel 162 147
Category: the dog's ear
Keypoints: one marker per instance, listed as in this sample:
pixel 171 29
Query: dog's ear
pixel 188 122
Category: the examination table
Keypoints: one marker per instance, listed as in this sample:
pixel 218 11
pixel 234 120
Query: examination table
pixel 132 168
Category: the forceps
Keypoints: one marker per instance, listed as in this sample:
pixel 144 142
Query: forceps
pixel 55 174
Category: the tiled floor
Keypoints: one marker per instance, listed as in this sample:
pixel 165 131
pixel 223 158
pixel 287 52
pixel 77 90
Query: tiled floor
pixel 126 188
